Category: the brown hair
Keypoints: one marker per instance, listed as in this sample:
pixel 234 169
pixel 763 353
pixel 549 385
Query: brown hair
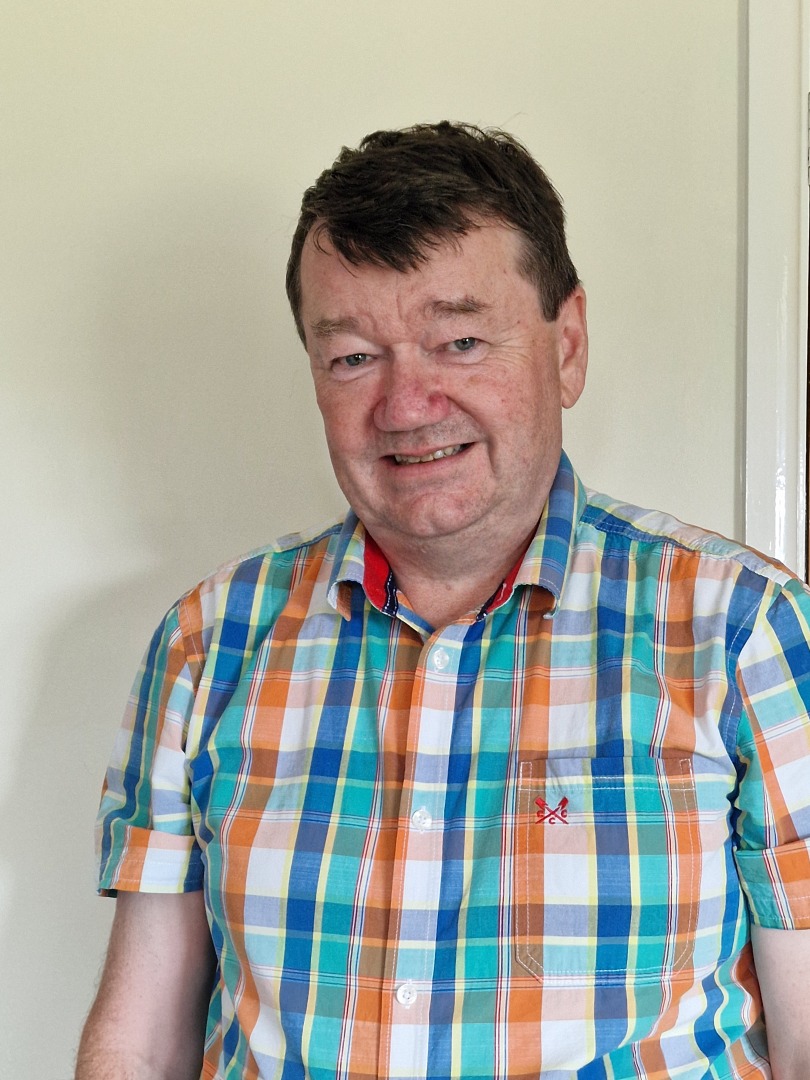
pixel 402 193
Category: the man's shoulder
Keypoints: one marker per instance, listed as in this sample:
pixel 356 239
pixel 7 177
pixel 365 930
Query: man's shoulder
pixel 644 529
pixel 281 550
pixel 276 557
pixel 258 583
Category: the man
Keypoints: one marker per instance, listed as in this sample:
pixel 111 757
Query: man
pixel 496 778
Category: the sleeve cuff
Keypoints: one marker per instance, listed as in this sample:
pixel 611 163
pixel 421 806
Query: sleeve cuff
pixel 147 860
pixel 776 883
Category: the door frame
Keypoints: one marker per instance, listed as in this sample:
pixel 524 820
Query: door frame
pixel 776 279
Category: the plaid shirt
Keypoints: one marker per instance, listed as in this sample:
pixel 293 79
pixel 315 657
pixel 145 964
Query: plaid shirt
pixel 526 845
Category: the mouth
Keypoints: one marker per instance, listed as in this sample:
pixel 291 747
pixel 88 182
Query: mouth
pixel 435 455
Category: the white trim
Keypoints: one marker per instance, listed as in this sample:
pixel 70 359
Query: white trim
pixel 776 265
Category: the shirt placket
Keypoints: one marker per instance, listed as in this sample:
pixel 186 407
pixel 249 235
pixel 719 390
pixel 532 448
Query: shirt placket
pixel 419 878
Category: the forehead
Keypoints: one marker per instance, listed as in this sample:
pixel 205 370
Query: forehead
pixel 479 269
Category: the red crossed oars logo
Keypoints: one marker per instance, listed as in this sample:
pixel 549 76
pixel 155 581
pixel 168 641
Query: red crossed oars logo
pixel 552 815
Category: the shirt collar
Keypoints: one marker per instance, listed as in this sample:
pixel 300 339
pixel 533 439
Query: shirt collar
pixel 349 564
pixel 358 559
pixel 548 556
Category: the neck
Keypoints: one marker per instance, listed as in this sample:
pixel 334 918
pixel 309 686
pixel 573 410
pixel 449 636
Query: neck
pixel 442 586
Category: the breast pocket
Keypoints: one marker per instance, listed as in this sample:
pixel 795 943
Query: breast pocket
pixel 620 866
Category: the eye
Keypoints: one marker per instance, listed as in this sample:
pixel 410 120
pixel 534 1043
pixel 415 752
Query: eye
pixel 463 344
pixel 353 360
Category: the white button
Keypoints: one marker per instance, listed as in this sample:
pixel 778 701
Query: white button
pixel 441 658
pixel 406 995
pixel 421 819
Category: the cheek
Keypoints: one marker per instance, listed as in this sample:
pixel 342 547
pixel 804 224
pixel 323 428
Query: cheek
pixel 346 407
pixel 347 438
pixel 337 414
pixel 532 422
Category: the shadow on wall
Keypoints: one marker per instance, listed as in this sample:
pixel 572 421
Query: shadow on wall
pixel 193 392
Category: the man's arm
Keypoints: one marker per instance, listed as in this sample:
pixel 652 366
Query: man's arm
pixel 148 1019
pixel 782 960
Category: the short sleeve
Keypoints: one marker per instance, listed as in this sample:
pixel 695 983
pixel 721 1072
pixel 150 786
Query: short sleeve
pixel 144 835
pixel 773 803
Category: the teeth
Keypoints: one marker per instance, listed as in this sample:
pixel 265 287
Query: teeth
pixel 447 451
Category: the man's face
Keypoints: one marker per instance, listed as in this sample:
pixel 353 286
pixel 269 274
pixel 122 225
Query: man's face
pixel 441 389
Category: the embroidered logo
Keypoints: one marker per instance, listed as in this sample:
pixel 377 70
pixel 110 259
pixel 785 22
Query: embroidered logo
pixel 552 815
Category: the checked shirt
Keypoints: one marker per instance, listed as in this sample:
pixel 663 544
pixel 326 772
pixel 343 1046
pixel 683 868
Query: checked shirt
pixel 528 844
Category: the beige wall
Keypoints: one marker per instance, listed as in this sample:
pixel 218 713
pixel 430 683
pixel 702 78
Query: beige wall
pixel 155 417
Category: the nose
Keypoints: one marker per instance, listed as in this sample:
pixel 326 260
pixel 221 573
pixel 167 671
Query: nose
pixel 411 395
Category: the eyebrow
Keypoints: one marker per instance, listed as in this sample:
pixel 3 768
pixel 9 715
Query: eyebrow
pixel 324 329
pixel 446 309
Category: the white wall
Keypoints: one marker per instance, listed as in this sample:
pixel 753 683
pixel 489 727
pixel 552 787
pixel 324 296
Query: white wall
pixel 155 417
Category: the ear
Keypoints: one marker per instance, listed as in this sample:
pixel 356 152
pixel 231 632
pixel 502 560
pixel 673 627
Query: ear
pixel 572 340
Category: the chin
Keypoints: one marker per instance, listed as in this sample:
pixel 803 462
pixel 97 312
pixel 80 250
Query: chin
pixel 430 527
